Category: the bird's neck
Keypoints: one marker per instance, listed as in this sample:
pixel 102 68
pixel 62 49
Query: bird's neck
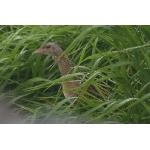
pixel 64 65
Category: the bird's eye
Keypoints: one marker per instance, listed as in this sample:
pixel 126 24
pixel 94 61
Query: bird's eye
pixel 48 46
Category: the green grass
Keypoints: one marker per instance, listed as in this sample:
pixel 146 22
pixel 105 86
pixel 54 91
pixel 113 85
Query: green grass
pixel 116 56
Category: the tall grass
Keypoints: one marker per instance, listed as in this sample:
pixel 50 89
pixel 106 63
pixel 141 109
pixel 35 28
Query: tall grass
pixel 116 56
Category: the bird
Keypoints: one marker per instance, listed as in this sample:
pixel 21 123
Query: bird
pixel 65 66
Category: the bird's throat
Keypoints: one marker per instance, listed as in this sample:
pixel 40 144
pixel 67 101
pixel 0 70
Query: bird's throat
pixel 64 65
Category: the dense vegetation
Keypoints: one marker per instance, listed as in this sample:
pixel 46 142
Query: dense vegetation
pixel 117 56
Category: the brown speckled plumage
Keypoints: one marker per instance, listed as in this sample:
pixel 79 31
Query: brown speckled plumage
pixel 65 65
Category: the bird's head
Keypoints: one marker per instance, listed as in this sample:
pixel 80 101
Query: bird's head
pixel 51 49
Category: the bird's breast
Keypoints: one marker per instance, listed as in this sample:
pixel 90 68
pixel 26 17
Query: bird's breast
pixel 70 88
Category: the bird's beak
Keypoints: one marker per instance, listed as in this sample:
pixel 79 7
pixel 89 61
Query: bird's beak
pixel 40 50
